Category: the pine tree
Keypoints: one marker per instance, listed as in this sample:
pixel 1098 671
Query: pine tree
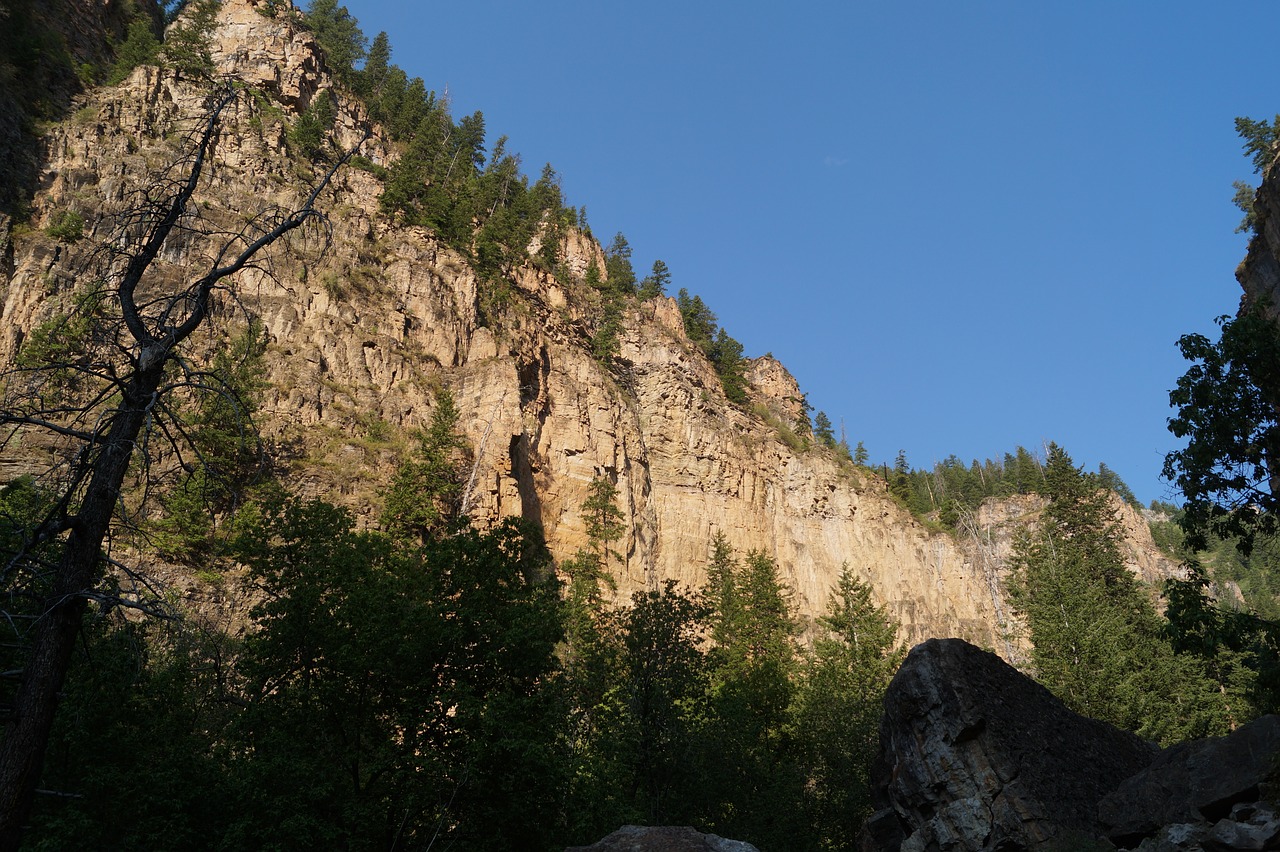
pixel 617 265
pixel 655 283
pixel 604 520
pixel 339 35
pixel 860 455
pixel 822 430
pixel 838 708
pixel 1098 643
pixel 426 490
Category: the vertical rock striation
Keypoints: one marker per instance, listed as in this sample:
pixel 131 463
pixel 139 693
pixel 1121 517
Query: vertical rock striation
pixel 362 332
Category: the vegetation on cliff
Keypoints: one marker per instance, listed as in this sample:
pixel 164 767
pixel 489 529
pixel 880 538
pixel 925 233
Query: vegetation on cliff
pixel 411 680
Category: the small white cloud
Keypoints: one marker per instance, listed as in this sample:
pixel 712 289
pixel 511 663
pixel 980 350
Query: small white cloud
pixel 834 162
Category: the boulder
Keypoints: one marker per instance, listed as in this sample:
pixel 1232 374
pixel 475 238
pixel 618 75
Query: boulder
pixel 975 755
pixel 638 838
pixel 1197 781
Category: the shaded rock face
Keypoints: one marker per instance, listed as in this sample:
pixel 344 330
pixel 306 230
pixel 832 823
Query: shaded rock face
pixel 1214 784
pixel 635 838
pixel 976 756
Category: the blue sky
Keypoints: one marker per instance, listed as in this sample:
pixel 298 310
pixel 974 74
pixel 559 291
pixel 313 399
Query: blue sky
pixel 962 226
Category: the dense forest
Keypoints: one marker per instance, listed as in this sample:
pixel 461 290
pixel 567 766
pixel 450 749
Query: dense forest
pixel 413 680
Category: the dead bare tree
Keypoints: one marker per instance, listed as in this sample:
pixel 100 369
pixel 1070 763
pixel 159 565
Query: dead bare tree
pixel 55 566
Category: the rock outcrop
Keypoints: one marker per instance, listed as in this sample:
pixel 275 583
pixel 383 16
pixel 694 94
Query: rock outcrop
pixel 636 838
pixel 361 334
pixel 1210 787
pixel 976 756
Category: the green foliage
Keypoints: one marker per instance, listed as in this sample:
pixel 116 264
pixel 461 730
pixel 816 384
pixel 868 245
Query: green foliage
pixel 37 79
pixel 1259 140
pixel 339 35
pixel 426 491
pixel 392 691
pixel 1111 481
pixel 1243 197
pixel 388 695
pixel 617 265
pixel 724 352
pixel 59 350
pixel 726 356
pixel 1227 404
pixel 139 730
pixel 604 520
pixel 24 506
pixel 752 774
pixel 822 430
pixel 952 490
pixel 140 47
pixel 655 283
pixel 1259 146
pixel 838 708
pixel 187 41
pixel 66 226
pixel 665 676
pixel 699 321
pixel 309 132
pixel 1098 643
pixel 860 454
pixel 225 453
pixel 1240 651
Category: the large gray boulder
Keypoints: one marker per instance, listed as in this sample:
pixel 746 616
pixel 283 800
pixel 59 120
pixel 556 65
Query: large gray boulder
pixel 976 756
pixel 1197 782
pixel 640 838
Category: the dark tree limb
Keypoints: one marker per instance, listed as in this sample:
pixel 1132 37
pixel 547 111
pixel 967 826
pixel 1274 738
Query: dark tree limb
pixel 83 515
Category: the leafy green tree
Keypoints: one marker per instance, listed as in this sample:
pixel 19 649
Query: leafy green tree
pixel 187 42
pixel 822 430
pixel 900 479
pixel 226 454
pixel 1110 480
pixel 752 778
pixel 377 67
pixel 1097 641
pixel 665 673
pixel 1259 140
pixel 655 283
pixel 1228 405
pixel 605 345
pixel 604 520
pixel 1244 197
pixel 396 693
pixel 140 47
pixel 860 454
pixel 339 35
pixel 1259 146
pixel 699 321
pixel 426 490
pixel 1241 652
pixel 142 732
pixel 838 707
pixel 726 356
pixel 617 265
pixel 313 125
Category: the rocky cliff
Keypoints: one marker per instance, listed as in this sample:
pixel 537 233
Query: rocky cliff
pixel 975 756
pixel 364 327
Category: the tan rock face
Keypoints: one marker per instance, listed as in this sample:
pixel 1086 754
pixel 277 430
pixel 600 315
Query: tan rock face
pixel 363 329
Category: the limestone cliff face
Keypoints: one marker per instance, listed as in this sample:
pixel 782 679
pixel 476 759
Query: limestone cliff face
pixel 364 329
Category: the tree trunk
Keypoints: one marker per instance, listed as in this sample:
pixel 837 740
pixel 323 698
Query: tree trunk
pixel 54 635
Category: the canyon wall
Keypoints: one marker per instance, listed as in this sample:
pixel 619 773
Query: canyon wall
pixel 367 321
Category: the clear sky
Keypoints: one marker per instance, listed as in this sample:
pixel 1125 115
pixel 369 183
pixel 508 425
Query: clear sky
pixel 962 226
